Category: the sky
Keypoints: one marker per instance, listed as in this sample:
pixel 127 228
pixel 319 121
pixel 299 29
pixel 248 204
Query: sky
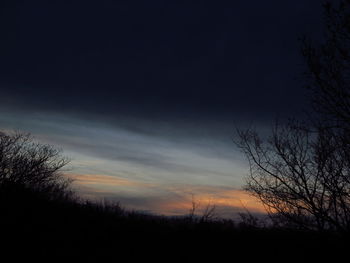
pixel 144 97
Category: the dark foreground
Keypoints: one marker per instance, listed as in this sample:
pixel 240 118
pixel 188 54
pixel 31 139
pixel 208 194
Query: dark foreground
pixel 35 227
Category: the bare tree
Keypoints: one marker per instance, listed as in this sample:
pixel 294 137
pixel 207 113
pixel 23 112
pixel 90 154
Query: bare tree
pixel 30 164
pixel 299 176
pixel 193 209
pixel 208 212
pixel 301 173
pixel 329 66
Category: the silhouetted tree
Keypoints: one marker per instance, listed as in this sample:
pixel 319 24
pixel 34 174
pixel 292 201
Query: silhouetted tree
pixel 208 212
pixel 329 66
pixel 26 163
pixel 301 173
pixel 300 176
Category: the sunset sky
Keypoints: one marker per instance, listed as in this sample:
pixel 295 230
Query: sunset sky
pixel 145 96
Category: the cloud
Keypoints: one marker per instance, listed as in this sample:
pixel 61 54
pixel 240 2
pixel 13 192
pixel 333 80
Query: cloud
pixel 174 69
pixel 98 179
pixel 98 148
pixel 221 196
pixel 164 198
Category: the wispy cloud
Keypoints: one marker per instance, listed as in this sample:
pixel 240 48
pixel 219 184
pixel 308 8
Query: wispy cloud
pixel 111 149
pixel 107 180
pixel 144 170
pixel 164 198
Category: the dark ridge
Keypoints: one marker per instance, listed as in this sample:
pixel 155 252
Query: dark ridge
pixel 39 225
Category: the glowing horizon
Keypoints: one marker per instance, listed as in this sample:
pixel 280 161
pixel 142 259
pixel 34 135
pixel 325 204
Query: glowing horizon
pixel 173 200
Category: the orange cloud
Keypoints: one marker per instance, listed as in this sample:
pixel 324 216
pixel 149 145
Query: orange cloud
pixel 238 200
pixel 99 179
pixel 168 199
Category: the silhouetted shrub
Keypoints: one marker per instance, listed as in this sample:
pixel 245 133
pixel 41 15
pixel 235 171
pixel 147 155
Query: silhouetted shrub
pixel 26 163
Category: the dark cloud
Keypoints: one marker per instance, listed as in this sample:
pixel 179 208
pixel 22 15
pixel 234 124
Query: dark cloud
pixel 155 59
pixel 153 90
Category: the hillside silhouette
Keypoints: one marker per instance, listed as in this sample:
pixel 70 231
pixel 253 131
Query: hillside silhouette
pixel 45 220
pixel 38 226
